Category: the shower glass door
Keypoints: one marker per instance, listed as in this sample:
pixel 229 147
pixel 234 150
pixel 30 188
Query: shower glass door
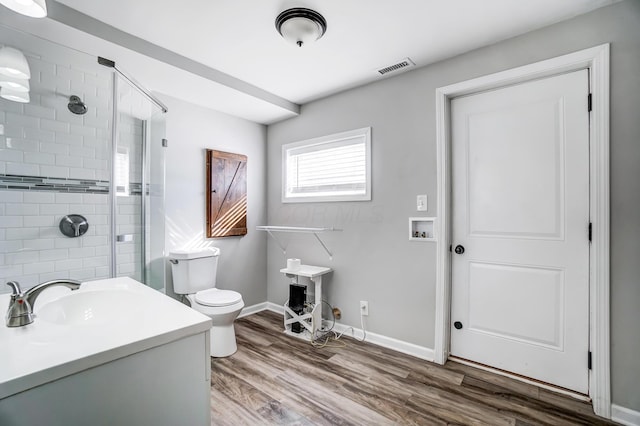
pixel 138 186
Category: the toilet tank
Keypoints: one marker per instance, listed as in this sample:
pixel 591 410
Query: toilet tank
pixel 194 269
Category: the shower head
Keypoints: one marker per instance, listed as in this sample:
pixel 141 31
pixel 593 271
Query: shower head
pixel 76 105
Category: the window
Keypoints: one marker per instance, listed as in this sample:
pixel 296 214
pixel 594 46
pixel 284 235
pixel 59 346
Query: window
pixel 330 168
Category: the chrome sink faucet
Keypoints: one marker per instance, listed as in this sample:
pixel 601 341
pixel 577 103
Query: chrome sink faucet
pixel 20 310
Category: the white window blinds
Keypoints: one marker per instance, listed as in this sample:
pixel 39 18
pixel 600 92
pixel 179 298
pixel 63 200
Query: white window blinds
pixel 331 168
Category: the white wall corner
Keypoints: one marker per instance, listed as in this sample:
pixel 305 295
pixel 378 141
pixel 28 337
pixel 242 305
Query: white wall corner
pixel 253 309
pixel 274 307
pixel 625 416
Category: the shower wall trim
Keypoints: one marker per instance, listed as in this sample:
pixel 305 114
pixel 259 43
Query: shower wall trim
pixel 112 184
pixel 55 184
pixel 145 185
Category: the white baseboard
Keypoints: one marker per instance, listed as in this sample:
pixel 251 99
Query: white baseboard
pixel 253 309
pixel 386 342
pixel 376 339
pixel 625 416
pixel 274 307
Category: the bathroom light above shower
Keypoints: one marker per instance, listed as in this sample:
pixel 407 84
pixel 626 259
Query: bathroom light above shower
pixel 13 63
pixel 32 8
pixel 12 95
pixel 14 84
pixel 14 75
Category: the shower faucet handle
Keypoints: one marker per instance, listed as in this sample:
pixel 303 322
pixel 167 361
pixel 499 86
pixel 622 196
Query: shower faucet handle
pixel 76 227
pixel 73 225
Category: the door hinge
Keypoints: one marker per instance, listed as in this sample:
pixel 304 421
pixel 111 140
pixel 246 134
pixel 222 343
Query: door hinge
pixel 589 360
pixel 165 143
pixel 589 102
pixel 590 231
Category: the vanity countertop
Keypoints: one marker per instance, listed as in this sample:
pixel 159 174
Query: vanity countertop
pixel 45 351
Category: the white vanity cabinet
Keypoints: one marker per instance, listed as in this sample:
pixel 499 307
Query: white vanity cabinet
pixel 154 370
pixel 165 385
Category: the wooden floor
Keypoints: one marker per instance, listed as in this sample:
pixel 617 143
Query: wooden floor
pixel 281 380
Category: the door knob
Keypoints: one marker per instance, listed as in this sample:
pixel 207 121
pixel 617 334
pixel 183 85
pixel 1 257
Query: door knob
pixel 459 249
pixel 457 325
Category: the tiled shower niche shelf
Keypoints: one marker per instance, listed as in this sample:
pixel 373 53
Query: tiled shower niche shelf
pixel 422 229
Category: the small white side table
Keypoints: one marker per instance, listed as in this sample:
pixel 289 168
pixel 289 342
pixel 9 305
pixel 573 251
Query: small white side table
pixel 312 322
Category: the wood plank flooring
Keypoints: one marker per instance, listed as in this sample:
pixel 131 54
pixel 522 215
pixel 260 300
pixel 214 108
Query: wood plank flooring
pixel 277 379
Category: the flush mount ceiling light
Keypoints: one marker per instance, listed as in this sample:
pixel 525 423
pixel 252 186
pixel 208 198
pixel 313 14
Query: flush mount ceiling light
pixel 14 84
pixel 12 95
pixel 300 25
pixel 32 8
pixel 13 63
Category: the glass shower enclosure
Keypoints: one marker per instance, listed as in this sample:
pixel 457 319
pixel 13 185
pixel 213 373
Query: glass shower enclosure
pixel 89 142
pixel 137 184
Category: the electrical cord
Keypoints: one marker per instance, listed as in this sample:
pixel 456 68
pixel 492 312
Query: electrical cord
pixel 332 314
pixel 331 335
pixel 353 331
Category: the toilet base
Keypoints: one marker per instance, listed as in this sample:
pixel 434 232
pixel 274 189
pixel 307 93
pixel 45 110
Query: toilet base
pixel 223 341
pixel 223 334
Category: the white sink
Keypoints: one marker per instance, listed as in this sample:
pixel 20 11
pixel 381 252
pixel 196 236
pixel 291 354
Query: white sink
pixel 94 338
pixel 98 307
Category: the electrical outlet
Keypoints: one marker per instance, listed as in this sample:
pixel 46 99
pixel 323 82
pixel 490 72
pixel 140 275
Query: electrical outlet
pixel 364 308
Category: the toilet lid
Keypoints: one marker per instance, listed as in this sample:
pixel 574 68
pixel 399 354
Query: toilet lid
pixel 217 297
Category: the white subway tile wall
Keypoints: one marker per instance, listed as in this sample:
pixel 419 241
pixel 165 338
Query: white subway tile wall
pixel 32 248
pixel 44 139
pixel 54 163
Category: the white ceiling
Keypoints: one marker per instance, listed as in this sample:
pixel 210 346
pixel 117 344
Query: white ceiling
pixel 238 37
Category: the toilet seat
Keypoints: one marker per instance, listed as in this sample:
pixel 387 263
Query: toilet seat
pixel 216 298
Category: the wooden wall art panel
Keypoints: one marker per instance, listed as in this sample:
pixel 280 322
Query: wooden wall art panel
pixel 226 194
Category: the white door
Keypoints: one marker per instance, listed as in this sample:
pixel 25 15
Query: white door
pixel 520 290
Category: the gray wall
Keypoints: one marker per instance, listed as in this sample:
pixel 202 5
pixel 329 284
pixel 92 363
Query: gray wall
pixel 373 258
pixel 191 130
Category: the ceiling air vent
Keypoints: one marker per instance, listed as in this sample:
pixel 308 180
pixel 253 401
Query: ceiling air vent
pixel 402 65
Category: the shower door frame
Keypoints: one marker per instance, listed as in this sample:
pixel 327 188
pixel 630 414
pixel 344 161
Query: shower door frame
pixel 114 150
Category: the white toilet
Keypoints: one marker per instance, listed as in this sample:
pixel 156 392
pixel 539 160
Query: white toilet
pixel 194 275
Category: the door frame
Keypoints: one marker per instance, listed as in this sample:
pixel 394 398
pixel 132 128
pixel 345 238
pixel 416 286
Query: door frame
pixel 596 60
